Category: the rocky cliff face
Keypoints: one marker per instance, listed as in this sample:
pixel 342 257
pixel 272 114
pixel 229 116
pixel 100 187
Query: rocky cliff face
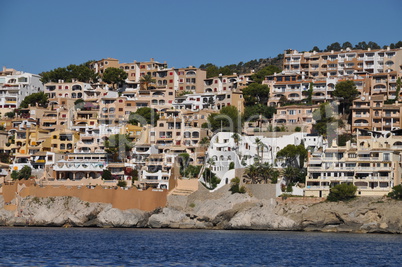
pixel 221 211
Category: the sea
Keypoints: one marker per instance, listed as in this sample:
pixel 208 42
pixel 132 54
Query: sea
pixel 27 246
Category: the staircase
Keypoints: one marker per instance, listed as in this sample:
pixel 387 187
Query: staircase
pixel 185 187
pixel 181 192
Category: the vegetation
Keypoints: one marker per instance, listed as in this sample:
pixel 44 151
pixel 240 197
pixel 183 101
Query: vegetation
pixel 10 114
pixel 359 46
pixel 228 119
pixel 396 192
pixel 241 67
pixel 259 76
pixel 114 76
pixel 210 178
pixel 107 175
pixel 231 165
pixel 342 192
pixel 144 116
pixel 261 173
pixel 235 186
pixel 117 146
pixel 147 80
pixel 39 98
pixel 79 103
pixel 80 72
pixel 122 183
pixel 293 155
pixel 348 92
pixel 325 124
pixel 24 173
pixel 309 100
pixel 294 175
pixel 183 160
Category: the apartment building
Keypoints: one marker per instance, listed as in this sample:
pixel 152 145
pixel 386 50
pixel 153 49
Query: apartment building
pixel 295 87
pixel 371 113
pixel 295 115
pixel 342 63
pixel 15 86
pixel 372 164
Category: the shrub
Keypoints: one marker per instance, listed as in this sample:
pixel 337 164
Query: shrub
pixel 298 129
pixel 235 187
pixel 107 175
pixel 396 192
pixel 122 183
pixel 342 192
pixel 231 165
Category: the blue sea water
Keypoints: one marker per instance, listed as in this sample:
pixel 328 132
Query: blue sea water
pixel 166 247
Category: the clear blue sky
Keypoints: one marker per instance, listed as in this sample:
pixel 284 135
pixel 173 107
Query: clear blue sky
pixel 41 35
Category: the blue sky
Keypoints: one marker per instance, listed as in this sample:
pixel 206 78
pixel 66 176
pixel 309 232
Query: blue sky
pixel 41 35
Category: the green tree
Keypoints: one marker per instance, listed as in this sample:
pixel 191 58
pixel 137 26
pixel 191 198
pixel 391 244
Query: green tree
pixel 346 45
pixel 256 94
pixel 107 175
pixel 260 75
pixel 294 174
pixel 144 116
pixel 114 76
pixel 24 173
pixel 10 114
pixel 79 103
pixel 325 122
pixel 342 192
pixel 228 119
pixel 204 142
pixel 348 92
pixel 310 94
pixel 40 98
pixel 118 146
pixel 80 72
pixel 361 46
pixel 183 160
pixel 293 155
pixel 316 49
pixel 147 80
pixel 255 112
pixel 396 192
pixel 210 178
pixel 334 46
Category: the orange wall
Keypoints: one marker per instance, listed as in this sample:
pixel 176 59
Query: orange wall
pixel 133 198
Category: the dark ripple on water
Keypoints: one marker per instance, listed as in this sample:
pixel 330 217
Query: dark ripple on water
pixel 147 247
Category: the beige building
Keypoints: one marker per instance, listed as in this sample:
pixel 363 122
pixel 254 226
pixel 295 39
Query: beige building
pixel 372 164
pixel 342 63
pixel 371 113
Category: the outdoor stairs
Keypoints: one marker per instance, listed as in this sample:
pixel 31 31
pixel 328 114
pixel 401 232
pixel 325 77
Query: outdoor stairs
pixel 181 192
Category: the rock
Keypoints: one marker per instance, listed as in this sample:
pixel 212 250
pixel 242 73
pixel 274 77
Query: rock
pixel 167 217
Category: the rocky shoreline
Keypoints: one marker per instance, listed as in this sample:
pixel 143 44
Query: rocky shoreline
pixel 221 210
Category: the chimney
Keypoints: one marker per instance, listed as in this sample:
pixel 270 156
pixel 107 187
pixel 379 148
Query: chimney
pixel 369 49
pixel 152 59
pixel 332 51
pixel 388 48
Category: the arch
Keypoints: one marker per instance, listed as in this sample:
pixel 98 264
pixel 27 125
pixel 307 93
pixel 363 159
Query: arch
pixel 76 87
pixel 161 102
pixel 214 158
pixel 398 143
pixel 294 95
pixel 154 102
pixel 111 110
pixel 196 135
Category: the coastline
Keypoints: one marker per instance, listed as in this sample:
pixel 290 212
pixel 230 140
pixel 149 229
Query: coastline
pixel 214 211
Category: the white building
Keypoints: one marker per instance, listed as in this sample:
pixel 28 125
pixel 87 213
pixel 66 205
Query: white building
pixel 223 150
pixel 15 87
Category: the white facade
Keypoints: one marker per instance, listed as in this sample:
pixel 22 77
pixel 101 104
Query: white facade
pixel 223 150
pixel 14 88
pixel 194 102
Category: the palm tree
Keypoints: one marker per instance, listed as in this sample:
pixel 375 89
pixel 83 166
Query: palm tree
pixel 236 138
pixel 290 173
pixel 147 80
pixel 204 142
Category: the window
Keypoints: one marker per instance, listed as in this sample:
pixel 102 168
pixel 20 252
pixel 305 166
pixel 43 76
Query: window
pixel 120 109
